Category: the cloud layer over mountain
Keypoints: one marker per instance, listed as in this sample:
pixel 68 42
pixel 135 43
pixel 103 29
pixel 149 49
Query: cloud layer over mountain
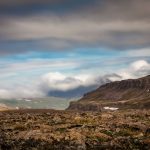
pixel 61 85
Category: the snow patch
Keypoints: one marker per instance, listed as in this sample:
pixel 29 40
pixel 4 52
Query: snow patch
pixel 111 108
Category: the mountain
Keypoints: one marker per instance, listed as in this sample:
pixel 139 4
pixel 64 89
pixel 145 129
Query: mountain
pixel 131 93
pixel 74 93
pixel 80 90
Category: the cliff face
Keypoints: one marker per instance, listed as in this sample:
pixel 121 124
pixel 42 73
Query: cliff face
pixel 132 93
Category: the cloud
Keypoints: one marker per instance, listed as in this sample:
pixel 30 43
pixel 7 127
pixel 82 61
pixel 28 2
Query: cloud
pixel 54 84
pixel 139 65
pixel 144 52
pixel 119 25
pixel 71 85
pixel 64 27
pixel 59 82
pixel 32 65
pixel 22 91
pixel 136 69
pixel 26 7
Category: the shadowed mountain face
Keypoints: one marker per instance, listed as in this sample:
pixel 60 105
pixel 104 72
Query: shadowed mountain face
pixel 75 93
pixel 132 93
pixel 79 91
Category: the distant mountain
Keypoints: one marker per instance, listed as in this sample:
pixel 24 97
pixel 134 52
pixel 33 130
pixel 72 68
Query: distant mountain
pixel 74 93
pixel 132 93
pixel 79 91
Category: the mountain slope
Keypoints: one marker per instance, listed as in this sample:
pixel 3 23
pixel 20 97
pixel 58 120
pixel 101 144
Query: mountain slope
pixel 132 93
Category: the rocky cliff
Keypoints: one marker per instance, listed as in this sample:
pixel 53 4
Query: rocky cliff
pixel 132 93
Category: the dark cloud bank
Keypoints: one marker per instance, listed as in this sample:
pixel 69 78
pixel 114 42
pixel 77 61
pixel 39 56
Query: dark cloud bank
pixel 69 24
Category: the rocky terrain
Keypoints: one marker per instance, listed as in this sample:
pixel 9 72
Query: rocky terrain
pixel 70 130
pixel 126 94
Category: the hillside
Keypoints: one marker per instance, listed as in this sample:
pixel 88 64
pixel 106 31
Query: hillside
pixel 132 93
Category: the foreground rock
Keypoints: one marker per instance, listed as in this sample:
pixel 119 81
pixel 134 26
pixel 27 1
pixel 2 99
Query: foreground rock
pixel 68 130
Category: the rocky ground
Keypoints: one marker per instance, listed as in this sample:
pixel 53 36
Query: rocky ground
pixel 69 130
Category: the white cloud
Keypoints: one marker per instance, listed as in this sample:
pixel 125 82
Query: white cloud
pixel 4 93
pixel 57 81
pixel 139 65
pixel 14 73
pixel 136 69
pixel 22 91
pixel 39 63
pixel 53 81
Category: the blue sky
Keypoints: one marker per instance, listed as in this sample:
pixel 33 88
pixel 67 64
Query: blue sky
pixel 63 45
pixel 68 62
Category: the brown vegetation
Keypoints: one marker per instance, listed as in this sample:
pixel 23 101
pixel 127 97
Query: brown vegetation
pixel 50 130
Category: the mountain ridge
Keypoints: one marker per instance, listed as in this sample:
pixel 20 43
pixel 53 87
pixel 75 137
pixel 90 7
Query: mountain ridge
pixel 130 93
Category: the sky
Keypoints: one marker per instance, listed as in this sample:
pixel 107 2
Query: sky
pixel 55 47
